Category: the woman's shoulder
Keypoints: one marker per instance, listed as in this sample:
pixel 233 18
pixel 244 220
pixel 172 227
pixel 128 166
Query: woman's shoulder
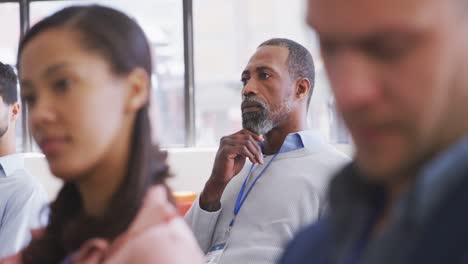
pixel 157 235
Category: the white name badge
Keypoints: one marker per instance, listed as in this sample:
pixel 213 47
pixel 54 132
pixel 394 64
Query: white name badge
pixel 214 254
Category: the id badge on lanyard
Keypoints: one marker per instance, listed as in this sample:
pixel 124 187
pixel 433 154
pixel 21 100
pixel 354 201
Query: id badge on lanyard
pixel 216 252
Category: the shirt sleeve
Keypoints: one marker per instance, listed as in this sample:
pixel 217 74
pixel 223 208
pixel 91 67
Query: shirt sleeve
pixel 202 223
pixel 22 213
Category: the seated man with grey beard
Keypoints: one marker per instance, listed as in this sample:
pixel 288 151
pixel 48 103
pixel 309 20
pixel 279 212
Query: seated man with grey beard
pixel 269 178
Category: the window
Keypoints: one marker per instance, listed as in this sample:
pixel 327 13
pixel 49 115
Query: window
pixel 9 19
pixel 162 22
pixel 226 34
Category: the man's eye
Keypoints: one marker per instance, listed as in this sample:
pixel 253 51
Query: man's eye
pixel 61 85
pixel 386 52
pixel 244 81
pixel 264 75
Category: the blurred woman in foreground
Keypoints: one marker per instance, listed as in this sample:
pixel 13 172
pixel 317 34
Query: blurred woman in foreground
pixel 85 74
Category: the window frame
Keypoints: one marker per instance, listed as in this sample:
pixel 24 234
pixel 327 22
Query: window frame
pixel 189 73
pixel 189 81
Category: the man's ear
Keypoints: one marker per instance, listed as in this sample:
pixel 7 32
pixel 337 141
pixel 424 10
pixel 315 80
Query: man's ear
pixel 15 110
pixel 303 87
pixel 139 84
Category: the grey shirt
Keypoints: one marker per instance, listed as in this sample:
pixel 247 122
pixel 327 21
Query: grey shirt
pixel 22 199
pixel 289 196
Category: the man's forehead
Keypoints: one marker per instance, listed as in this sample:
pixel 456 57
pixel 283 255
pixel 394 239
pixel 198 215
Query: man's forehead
pixel 368 16
pixel 268 56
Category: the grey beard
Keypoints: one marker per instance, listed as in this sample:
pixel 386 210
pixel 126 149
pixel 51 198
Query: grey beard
pixel 257 122
pixel 264 121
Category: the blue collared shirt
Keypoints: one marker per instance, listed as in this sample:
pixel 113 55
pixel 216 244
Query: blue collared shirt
pixel 22 199
pixel 299 140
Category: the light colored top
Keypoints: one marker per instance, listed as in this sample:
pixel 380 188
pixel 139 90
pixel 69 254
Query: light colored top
pixel 22 199
pixel 286 198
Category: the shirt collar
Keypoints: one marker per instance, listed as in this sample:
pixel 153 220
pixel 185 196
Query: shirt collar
pixel 439 176
pixel 10 163
pixel 353 199
pixel 299 140
pixel 433 182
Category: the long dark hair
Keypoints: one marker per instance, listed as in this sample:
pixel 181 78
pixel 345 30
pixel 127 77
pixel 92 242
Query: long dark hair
pixel 119 40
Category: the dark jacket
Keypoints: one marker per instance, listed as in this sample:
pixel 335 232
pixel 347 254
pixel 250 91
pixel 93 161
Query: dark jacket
pixel 441 238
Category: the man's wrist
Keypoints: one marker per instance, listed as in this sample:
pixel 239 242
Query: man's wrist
pixel 210 198
pixel 209 205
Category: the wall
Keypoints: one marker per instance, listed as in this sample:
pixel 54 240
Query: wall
pixel 191 167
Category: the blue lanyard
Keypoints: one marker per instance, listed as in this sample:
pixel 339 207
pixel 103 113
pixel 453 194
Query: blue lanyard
pixel 241 197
